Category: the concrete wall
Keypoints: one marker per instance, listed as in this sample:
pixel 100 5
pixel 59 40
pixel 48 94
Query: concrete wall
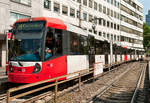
pixel 7 6
pixel 3 55
pixel 37 10
pixel 4 15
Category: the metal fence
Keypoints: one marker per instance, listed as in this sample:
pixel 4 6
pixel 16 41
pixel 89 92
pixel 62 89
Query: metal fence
pixel 78 76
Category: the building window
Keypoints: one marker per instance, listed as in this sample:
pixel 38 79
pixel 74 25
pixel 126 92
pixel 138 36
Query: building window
pixel 95 20
pixel 100 8
pixel 90 30
pixel 115 26
pixel 16 16
pixel 118 5
pixel 118 27
pixel 114 37
pixel 115 14
pixel 72 12
pixel 79 1
pixel 56 7
pixel 95 32
pixel 111 24
pixel 107 36
pixel 104 34
pixel 47 4
pixel 90 3
pixel 85 2
pixel 118 38
pixel 95 5
pixel 90 18
pixel 104 9
pixel 100 21
pixel 115 3
pixel 112 2
pixel 108 24
pixel 104 22
pixel 111 36
pixel 78 13
pixel 65 10
pixel 85 16
pixel 108 11
pixel 118 16
pixel 111 13
pixel 26 2
pixel 100 33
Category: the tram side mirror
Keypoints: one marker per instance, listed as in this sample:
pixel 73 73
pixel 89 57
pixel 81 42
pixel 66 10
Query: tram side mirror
pixel 11 34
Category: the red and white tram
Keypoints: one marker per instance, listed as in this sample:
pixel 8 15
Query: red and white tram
pixel 69 51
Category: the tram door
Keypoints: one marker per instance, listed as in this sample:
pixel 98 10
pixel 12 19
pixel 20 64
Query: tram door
pixel 91 43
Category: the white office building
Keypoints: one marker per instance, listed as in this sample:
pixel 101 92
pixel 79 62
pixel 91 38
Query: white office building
pixel 117 21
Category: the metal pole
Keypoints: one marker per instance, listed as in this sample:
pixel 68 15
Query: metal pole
pixel 56 90
pixel 8 96
pixel 6 46
pixel 94 72
pixel 135 54
pixel 79 81
pixel 111 52
pixel 80 15
pixel 149 71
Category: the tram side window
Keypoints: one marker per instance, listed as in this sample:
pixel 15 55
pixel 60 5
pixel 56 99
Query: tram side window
pixel 58 39
pixel 53 44
pixel 83 45
pixel 74 43
pixel 98 47
pixel 91 45
pixel 49 45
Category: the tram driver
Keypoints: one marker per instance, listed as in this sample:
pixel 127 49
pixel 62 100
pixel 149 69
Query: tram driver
pixel 49 45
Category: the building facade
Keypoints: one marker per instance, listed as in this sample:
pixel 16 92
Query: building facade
pixel 117 21
pixel 131 25
pixel 148 18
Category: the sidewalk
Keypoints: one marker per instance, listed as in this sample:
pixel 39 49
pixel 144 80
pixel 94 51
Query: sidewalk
pixel 2 73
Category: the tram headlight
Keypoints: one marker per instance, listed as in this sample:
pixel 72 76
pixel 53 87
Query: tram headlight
pixel 37 68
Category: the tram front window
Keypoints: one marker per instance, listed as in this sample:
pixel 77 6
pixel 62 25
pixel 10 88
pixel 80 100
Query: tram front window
pixel 27 44
pixel 27 50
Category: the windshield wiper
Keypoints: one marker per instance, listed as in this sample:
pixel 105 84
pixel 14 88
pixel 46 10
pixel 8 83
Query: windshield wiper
pixel 14 53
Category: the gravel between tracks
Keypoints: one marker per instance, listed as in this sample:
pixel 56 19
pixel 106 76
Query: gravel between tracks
pixel 122 90
pixel 90 88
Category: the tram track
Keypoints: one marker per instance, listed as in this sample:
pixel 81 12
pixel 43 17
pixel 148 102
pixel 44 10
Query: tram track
pixel 89 88
pixel 48 94
pixel 2 98
pixel 122 91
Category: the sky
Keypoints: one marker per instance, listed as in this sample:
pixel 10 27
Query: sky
pixel 146 5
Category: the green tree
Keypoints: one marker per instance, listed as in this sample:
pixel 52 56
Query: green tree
pixel 146 34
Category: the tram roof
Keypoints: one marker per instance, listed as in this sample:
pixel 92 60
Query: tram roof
pixel 50 22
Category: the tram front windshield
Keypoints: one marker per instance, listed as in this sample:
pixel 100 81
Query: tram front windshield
pixel 27 44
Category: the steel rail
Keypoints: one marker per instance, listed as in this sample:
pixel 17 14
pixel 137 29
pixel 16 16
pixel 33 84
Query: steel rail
pixel 138 84
pixel 83 72
pixel 105 88
pixel 49 93
pixel 2 97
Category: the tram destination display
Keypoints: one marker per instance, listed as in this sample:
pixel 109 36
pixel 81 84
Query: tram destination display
pixel 30 26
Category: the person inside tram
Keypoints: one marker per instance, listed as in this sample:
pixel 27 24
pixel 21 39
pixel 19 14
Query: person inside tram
pixel 49 45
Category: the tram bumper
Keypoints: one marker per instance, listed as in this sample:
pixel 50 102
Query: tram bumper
pixel 25 78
